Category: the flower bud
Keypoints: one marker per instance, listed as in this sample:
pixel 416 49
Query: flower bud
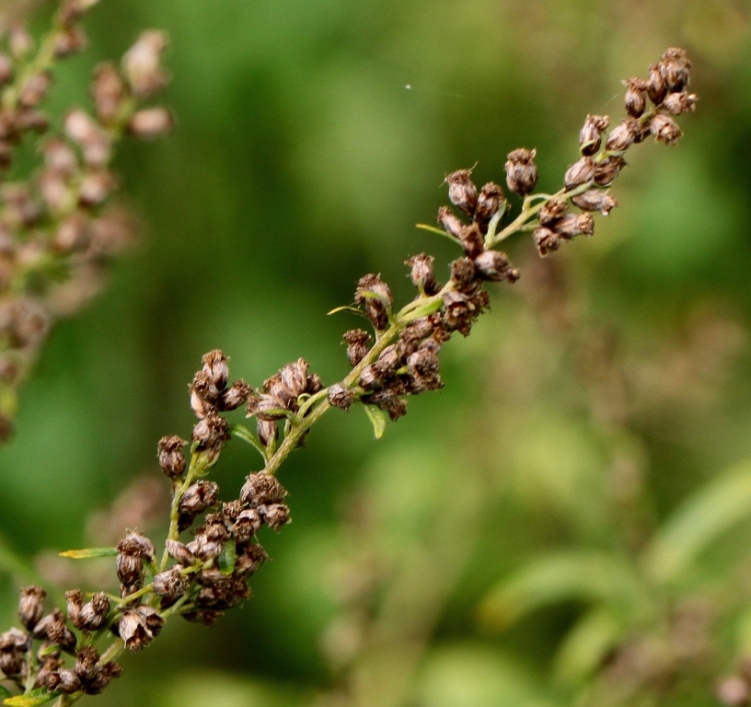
pixel 236 395
pixel 138 627
pixel 211 433
pixel 607 170
pixel 489 202
pixel 31 606
pixel 268 431
pixel 636 96
pixel 170 583
pixel 665 129
pixel 462 191
pixel 595 200
pixel 275 515
pixel 108 93
pixel 261 488
pixel 675 67
pixel 180 553
pixel 149 123
pixel 677 103
pixel 93 615
pixel 171 458
pixel 142 64
pixel 294 379
pixel 198 497
pixel 579 173
pixel 370 377
pixel 622 136
pixel 472 240
pixel 247 524
pixel 590 135
pixel 357 345
pixel 340 397
pixel 63 681
pixel 656 88
pixel 494 266
pixel 521 171
pixel 575 225
pixel 546 240
pixel 463 273
pixel 551 211
pixel 129 569
pixel 451 223
pixel 375 297
pixel 422 275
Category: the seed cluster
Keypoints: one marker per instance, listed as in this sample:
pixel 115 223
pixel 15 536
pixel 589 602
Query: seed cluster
pixel 57 227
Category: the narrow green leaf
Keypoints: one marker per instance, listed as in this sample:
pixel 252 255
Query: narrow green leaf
pixel 346 308
pixel 5 692
pixel 433 229
pixel 585 645
pixel 378 419
pixel 88 552
pixel 227 559
pixel 587 575
pixel 243 433
pixel 697 522
pixel 31 699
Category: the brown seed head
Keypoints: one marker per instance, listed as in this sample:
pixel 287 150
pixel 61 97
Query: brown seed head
pixel 275 515
pixel 575 225
pixel 677 103
pixel 170 455
pixel 490 201
pixel 622 136
pixel 495 266
pixel 607 170
pixel 595 200
pixel 31 606
pixel 422 275
pixel 451 223
pixel 375 297
pixel 675 67
pixel 546 240
pixel 261 488
pixel 551 211
pixel 462 191
pixel 340 397
pixel 665 129
pixel 521 171
pixel 636 96
pixel 170 583
pixel 579 173
pixel 656 88
pixel 590 135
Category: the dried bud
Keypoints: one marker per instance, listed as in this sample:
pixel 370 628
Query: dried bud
pixel 150 123
pixel 260 489
pixel 494 265
pixel 665 129
pixel 595 200
pixel 636 96
pixel 137 545
pixel 93 615
pixel 171 458
pixel 93 141
pixel 462 191
pixel 211 433
pixel 74 599
pixel 250 560
pixel 216 369
pixel 96 187
pixel 275 515
pixel 579 173
pixel 389 360
pixel 198 497
pixel 590 135
pixel 139 626
pixel 340 397
pixel 551 211
pixel 472 241
pixel 451 223
pixel 424 367
pixel 129 569
pixel 675 69
pixel 171 583
pixel 13 646
pixel 489 203
pixel 34 89
pixel 622 137
pixel 293 379
pixel 247 524
pixel 236 395
pixel 142 64
pixel 31 606
pixel 423 277
pixel 656 88
pixel 546 240
pixel 357 345
pixel 374 295
pixel 370 377
pixel 607 170
pixel 268 431
pixel 463 273
pixel 180 553
pixel 677 103
pixel 64 681
pixel 575 225
pixel 108 93
pixel 60 634
pixel 521 171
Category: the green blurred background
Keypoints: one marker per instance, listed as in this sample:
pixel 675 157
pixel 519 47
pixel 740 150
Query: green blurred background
pixel 520 536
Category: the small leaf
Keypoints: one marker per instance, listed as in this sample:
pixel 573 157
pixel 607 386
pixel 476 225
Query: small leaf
pixel 5 692
pixel 378 419
pixel 371 294
pixel 88 552
pixel 242 432
pixel 31 699
pixel 227 559
pixel 433 229
pixel 346 308
pixel 698 521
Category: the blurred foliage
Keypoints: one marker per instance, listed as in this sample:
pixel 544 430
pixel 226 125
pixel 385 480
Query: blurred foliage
pixel 569 520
